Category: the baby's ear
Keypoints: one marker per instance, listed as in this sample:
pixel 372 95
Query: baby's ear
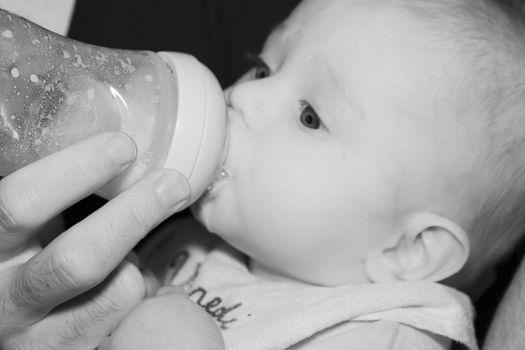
pixel 427 247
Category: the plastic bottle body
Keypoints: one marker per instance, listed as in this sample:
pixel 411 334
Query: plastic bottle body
pixel 55 91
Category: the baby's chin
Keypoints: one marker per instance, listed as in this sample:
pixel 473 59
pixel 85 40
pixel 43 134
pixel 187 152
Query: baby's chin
pixel 204 211
pixel 217 215
pixel 214 201
pixel 198 211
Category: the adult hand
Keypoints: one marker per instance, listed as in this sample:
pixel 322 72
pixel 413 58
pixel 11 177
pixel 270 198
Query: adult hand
pixel 70 294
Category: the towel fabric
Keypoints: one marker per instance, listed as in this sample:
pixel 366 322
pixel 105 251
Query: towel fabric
pixel 260 314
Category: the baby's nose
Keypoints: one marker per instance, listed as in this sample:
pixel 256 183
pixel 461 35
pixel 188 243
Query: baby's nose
pixel 246 102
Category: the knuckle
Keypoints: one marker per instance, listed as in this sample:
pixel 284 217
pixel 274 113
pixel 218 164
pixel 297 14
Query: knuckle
pixel 116 295
pixel 99 309
pixel 44 277
pixel 8 223
pixel 75 326
pixel 27 287
pixel 90 315
pixel 12 205
pixel 30 286
pixel 143 210
pixel 107 302
pixel 71 272
pixel 8 308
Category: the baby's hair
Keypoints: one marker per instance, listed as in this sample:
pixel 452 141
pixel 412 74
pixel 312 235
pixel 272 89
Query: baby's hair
pixel 487 44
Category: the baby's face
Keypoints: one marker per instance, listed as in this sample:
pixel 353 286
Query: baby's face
pixel 333 140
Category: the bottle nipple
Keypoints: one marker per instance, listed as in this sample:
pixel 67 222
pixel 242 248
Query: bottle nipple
pixel 201 132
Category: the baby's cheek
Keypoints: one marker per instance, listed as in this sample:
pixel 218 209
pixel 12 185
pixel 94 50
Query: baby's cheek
pixel 276 196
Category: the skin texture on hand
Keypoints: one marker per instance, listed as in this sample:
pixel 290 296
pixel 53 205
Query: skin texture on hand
pixel 71 293
pixel 506 330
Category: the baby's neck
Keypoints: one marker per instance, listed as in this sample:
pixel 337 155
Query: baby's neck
pixel 355 276
pixel 262 272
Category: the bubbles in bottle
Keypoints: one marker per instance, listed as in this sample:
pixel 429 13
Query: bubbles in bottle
pixel 55 91
pixel 69 111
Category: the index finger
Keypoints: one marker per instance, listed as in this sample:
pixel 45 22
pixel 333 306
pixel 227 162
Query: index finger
pixel 36 193
pixel 85 255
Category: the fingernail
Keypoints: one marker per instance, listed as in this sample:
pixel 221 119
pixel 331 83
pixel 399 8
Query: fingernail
pixel 172 189
pixel 121 149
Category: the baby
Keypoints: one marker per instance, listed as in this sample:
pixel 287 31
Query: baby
pixel 376 148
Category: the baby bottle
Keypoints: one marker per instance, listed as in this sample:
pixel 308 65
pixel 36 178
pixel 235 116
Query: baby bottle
pixel 55 91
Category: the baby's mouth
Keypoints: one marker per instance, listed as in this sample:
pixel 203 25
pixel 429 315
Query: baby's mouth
pixel 220 174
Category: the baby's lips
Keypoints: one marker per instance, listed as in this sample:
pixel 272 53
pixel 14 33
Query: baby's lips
pixel 226 147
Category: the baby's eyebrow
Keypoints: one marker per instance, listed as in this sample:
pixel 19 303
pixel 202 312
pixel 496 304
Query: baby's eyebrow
pixel 348 94
pixel 281 31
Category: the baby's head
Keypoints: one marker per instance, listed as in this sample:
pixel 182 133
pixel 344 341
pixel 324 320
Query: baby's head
pixel 377 141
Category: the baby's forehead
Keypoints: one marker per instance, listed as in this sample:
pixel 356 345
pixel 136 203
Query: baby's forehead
pixel 350 27
pixel 330 9
pixel 371 49
pixel 325 16
pixel 381 26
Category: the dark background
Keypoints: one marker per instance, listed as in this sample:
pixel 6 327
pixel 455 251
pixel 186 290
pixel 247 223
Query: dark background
pixel 217 32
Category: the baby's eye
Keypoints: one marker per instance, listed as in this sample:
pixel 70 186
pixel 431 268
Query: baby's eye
pixel 261 68
pixel 309 117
